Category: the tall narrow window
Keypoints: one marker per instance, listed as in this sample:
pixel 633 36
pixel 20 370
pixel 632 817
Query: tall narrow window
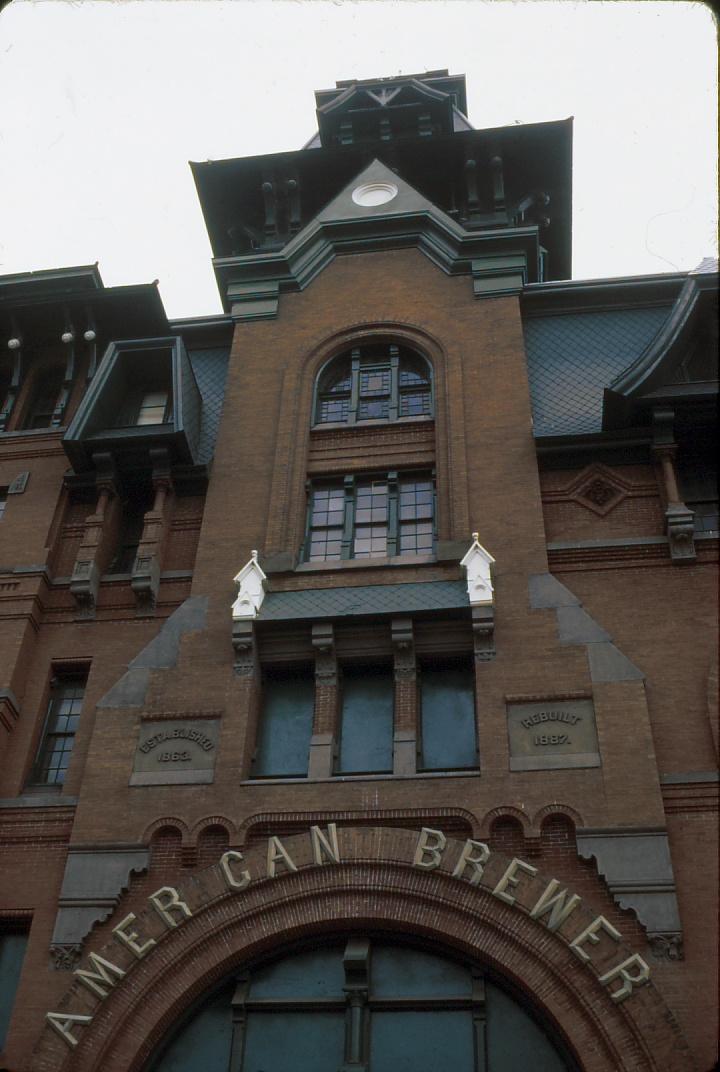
pixel 288 698
pixel 63 715
pixel 447 719
pixel 132 523
pixel 13 943
pixel 3 501
pixel 44 399
pixel 374 382
pixel 366 723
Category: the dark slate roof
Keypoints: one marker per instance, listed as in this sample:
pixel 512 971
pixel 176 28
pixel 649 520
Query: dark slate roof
pixel 210 368
pixel 373 600
pixel 573 357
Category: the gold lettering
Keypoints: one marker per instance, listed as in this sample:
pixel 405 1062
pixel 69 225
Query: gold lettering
pixel 92 979
pixel 277 853
pixel 131 939
pixel 173 902
pixel 225 860
pixel 322 845
pixel 629 981
pixel 61 1021
pixel 509 879
pixel 552 900
pixel 476 862
pixel 424 848
pixel 590 934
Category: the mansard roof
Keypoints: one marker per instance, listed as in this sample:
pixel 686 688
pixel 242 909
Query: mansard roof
pixel 602 352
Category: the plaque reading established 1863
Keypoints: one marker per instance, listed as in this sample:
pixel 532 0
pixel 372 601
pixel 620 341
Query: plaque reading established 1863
pixel 550 734
pixel 175 751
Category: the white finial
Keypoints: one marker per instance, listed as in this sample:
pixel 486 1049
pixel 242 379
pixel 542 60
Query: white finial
pixel 251 590
pixel 477 562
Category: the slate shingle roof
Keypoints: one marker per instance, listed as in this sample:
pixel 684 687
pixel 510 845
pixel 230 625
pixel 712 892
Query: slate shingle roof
pixel 210 368
pixel 371 600
pixel 573 357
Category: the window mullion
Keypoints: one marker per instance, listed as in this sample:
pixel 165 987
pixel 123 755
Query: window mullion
pixel 394 387
pixel 393 521
pixel 479 1021
pixel 354 387
pixel 349 518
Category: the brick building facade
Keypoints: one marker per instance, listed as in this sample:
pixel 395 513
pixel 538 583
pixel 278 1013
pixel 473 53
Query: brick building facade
pixel 358 656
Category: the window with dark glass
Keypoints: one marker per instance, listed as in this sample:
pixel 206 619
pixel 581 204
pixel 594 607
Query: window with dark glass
pixel 63 715
pixel 698 472
pixel 365 737
pixel 376 382
pixel 286 720
pixel 46 392
pixel 3 501
pixel 367 1004
pixel 371 517
pixel 132 523
pixel 13 943
pixel 447 737
pixel 146 406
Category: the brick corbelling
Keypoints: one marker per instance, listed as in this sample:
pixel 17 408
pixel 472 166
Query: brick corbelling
pixel 375 888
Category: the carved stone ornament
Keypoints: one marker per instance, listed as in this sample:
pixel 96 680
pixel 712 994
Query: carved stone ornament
pixel 243 641
pixel 251 590
pixel 65 957
pixel 600 492
pixel 476 563
pixel 667 946
pixel 681 532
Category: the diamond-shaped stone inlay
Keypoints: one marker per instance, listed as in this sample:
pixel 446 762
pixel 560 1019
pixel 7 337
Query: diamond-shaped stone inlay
pixel 600 494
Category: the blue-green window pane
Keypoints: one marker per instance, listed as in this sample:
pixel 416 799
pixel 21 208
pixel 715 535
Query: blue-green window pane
pixel 294 1042
pixel 448 717
pixel 425 1041
pixel 12 952
pixel 315 974
pixel 286 724
pixel 366 731
pixel 514 1040
pixel 411 972
pixel 204 1043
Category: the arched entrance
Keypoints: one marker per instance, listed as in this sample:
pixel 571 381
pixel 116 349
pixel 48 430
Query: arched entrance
pixel 285 892
pixel 364 1003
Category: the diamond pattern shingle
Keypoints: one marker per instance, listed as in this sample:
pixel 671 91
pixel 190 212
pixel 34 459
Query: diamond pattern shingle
pixel 210 368
pixel 376 599
pixel 573 357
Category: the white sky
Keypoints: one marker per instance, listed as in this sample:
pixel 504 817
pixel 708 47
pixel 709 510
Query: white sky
pixel 104 102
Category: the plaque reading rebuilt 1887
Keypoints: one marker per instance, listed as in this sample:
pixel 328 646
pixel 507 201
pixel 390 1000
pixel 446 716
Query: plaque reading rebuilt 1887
pixel 175 751
pixel 550 734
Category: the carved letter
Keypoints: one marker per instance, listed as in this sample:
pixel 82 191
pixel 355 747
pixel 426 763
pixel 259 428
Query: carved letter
pixel 60 1021
pixel 321 845
pixel 477 862
pixel 92 979
pixel 554 903
pixel 628 980
pixel 509 879
pixel 130 940
pixel 174 902
pixel 277 853
pixel 234 883
pixel 423 848
pixel 590 934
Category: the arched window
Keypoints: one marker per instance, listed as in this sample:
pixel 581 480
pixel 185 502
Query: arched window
pixel 361 1004
pixel 374 382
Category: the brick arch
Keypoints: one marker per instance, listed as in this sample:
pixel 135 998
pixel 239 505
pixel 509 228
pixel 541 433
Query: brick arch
pixel 294 421
pixel 551 810
pixel 167 822
pixel 375 887
pixel 213 820
pixel 505 812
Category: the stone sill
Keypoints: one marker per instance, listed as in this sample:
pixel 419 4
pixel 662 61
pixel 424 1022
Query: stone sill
pixel 343 778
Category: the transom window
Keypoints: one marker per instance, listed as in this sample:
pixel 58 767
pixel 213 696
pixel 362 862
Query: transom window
pixel 371 517
pixel 378 382
pixel 366 1005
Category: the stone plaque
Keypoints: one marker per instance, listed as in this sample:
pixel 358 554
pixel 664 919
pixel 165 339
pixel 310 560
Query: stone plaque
pixel 551 734
pixel 175 752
